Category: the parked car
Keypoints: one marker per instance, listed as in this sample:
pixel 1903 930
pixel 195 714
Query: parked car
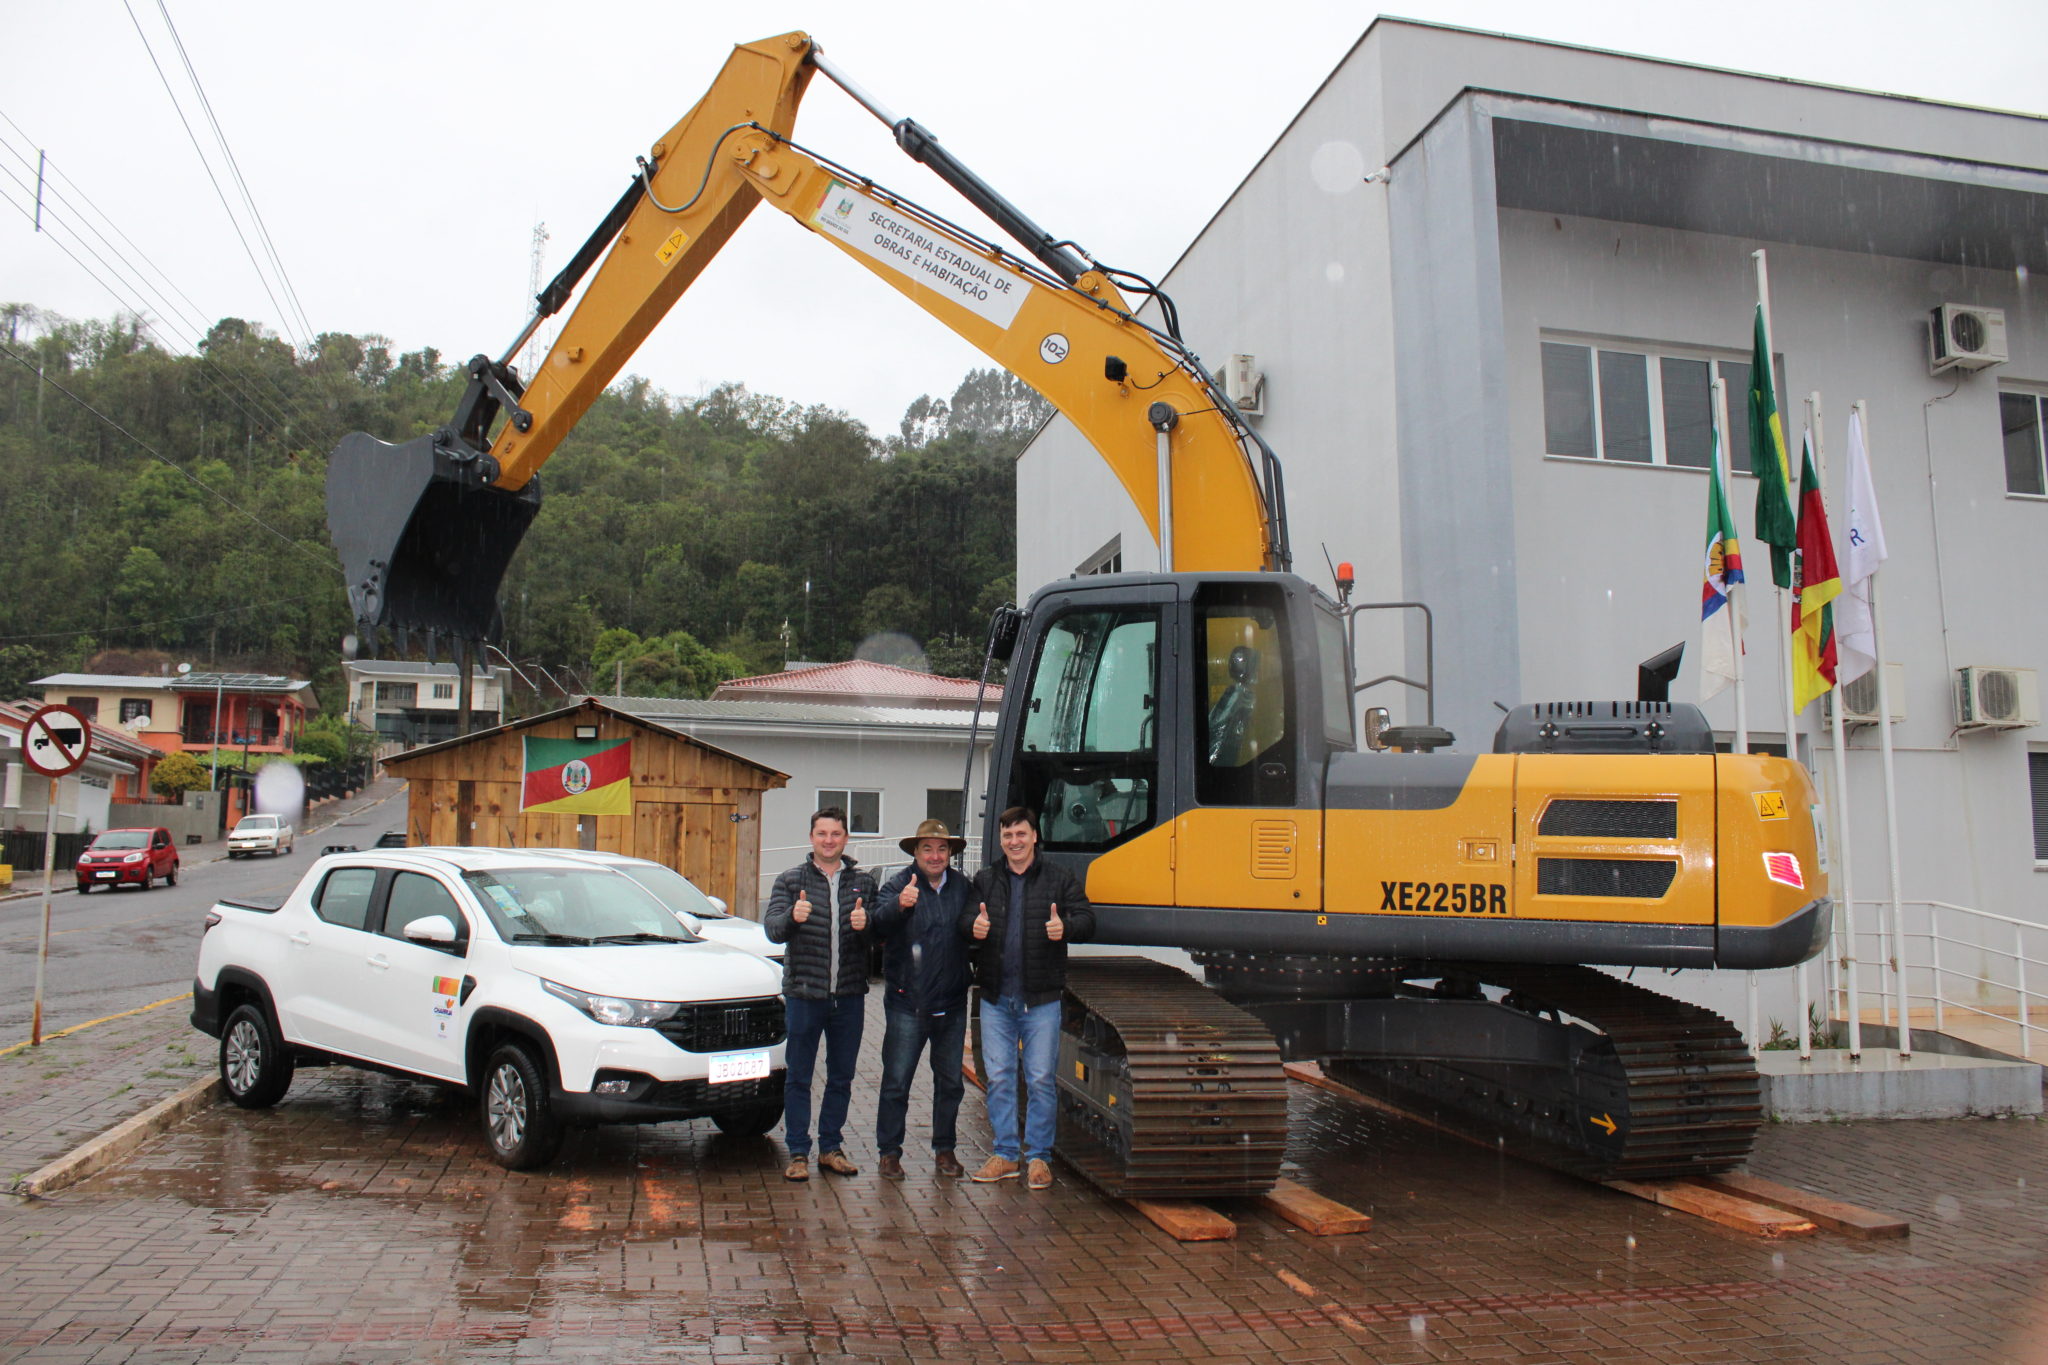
pixel 138 856
pixel 558 992
pixel 391 838
pixel 254 834
pixel 706 915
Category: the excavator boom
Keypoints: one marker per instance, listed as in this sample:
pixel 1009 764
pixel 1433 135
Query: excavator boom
pixel 426 529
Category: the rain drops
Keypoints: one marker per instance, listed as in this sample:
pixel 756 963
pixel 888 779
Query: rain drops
pixel 1337 167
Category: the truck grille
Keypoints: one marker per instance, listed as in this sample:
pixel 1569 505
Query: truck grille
pixel 704 1096
pixel 1635 878
pixel 722 1025
pixel 1610 820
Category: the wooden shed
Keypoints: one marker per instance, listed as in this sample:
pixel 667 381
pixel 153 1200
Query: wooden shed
pixel 693 806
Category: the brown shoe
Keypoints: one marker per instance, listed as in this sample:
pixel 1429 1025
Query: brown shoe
pixel 948 1164
pixel 996 1168
pixel 892 1167
pixel 837 1163
pixel 1040 1177
pixel 799 1168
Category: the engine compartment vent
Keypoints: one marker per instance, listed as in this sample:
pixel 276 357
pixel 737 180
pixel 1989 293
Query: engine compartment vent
pixel 1604 727
pixel 1575 818
pixel 1628 878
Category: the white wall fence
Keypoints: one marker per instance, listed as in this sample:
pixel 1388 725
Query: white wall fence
pixel 1961 965
pixel 881 857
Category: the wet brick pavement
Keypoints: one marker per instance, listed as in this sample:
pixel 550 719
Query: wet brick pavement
pixel 362 1221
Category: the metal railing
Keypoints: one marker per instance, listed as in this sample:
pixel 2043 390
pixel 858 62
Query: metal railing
pixel 878 856
pixel 1977 963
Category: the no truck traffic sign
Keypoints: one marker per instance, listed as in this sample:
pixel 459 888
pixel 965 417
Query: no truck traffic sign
pixel 55 741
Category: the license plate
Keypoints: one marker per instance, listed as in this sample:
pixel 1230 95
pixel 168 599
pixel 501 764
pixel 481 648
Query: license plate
pixel 738 1066
pixel 106 874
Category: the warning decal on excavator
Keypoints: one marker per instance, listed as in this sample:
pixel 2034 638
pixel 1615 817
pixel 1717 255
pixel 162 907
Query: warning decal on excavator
pixel 666 252
pixel 1769 805
pixel 910 248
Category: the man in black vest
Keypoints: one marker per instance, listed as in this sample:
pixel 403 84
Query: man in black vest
pixel 924 997
pixel 819 908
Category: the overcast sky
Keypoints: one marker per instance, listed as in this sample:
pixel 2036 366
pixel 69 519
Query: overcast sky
pixel 401 154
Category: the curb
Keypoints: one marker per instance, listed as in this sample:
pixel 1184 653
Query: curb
pixel 120 1140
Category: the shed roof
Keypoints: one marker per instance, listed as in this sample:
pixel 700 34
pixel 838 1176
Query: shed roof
pixel 589 705
pixel 858 678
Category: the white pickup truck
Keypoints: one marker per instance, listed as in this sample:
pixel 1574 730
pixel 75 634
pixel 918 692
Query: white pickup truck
pixel 559 992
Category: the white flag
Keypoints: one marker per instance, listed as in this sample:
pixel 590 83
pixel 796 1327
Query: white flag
pixel 1855 632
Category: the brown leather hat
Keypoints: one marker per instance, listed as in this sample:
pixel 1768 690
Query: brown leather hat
pixel 932 829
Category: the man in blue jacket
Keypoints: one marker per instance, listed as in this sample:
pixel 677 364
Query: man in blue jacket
pixel 924 998
pixel 820 909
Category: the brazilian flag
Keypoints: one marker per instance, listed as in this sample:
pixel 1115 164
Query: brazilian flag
pixel 578 776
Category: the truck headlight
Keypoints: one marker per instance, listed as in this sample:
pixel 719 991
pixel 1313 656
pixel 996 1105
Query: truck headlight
pixel 613 1009
pixel 136 858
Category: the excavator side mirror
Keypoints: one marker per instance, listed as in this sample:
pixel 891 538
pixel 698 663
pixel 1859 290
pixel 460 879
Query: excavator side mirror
pixel 1376 718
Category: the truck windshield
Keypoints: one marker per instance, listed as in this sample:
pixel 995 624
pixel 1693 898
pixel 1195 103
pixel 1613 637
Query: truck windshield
pixel 581 905
pixel 123 838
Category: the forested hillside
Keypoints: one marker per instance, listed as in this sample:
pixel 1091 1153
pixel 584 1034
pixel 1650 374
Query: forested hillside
pixel 176 503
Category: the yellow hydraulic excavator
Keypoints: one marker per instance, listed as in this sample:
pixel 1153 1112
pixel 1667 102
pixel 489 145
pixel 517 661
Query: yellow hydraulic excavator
pixel 1426 923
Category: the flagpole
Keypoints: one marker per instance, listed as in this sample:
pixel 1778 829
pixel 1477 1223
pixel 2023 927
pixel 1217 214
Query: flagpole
pixel 1861 417
pixel 1720 471
pixel 1840 767
pixel 1763 300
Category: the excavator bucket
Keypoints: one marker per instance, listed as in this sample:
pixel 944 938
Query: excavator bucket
pixel 424 537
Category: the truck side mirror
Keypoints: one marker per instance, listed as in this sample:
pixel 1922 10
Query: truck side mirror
pixel 1376 718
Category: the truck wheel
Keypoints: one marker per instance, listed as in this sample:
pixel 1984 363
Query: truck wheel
pixel 522 1130
pixel 750 1121
pixel 255 1064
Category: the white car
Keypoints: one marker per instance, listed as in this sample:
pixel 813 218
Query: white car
pixel 253 834
pixel 560 993
pixel 706 915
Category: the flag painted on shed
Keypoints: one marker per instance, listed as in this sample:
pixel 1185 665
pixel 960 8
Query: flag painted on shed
pixel 578 776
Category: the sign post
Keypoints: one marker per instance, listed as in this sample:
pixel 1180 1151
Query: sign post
pixel 54 742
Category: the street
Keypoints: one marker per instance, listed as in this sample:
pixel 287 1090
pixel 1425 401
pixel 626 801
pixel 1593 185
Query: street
pixel 122 949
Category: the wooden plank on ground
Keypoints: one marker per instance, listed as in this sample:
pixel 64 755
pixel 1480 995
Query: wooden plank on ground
pixel 1717 1206
pixel 1186 1222
pixel 1831 1214
pixel 1313 1213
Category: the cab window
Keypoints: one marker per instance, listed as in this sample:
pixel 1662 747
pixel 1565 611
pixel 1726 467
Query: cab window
pixel 1089 761
pixel 344 897
pixel 414 895
pixel 1244 698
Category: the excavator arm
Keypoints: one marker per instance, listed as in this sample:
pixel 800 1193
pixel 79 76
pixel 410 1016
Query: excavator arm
pixel 427 528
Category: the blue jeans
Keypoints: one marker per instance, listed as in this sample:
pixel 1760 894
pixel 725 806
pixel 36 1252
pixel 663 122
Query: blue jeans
pixel 904 1037
pixel 838 1023
pixel 1006 1025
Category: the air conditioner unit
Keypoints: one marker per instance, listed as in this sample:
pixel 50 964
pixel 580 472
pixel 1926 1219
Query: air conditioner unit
pixel 1996 698
pixel 1246 385
pixel 1962 336
pixel 1859 698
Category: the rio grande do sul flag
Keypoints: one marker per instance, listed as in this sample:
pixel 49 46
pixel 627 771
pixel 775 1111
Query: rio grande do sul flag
pixel 578 776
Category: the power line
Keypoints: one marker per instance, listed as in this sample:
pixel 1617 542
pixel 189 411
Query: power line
pixel 184 473
pixel 214 180
pixel 271 416
pixel 234 168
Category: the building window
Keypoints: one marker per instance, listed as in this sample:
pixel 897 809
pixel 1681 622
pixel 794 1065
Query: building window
pixel 1642 405
pixel 2037 778
pixel 2025 417
pixel 134 708
pixel 398 694
pixel 89 707
pixel 863 809
pixel 945 803
pixel 1108 559
pixel 444 691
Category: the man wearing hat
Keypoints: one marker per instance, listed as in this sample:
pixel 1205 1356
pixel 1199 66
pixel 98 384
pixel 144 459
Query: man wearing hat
pixel 924 995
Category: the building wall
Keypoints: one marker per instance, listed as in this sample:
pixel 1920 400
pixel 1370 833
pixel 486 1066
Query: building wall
pixel 901 767
pixel 684 799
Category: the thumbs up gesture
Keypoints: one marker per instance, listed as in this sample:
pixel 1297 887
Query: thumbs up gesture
pixel 859 918
pixel 801 911
pixel 981 923
pixel 908 898
pixel 1055 930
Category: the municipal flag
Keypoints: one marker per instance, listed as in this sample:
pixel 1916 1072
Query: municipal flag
pixel 1774 524
pixel 1718 645
pixel 1813 593
pixel 578 776
pixel 1855 626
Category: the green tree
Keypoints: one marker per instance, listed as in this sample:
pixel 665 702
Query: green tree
pixel 177 773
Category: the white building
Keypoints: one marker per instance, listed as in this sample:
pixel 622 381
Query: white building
pixel 1486 280
pixel 409 703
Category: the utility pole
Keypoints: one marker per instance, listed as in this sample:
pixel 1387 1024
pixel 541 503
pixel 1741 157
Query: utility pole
pixel 533 282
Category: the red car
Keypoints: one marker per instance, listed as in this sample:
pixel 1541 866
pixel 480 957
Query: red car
pixel 128 855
